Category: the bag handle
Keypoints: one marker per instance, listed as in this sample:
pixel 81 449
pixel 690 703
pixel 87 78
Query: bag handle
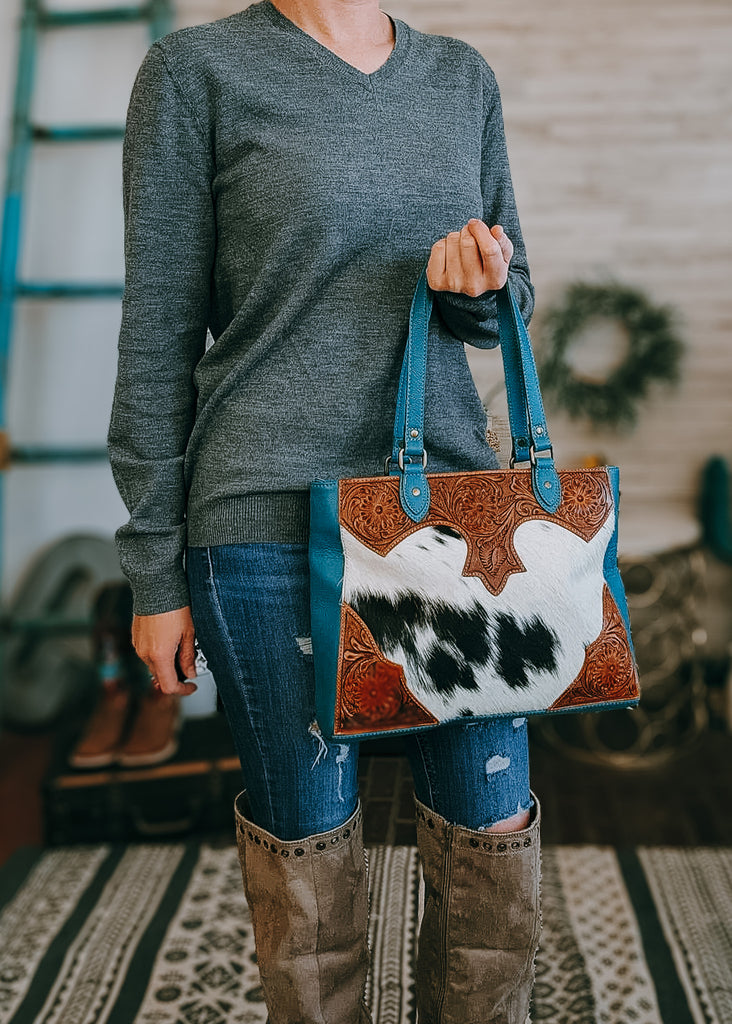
pixel 529 432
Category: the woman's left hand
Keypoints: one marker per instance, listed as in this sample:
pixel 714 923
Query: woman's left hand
pixel 472 261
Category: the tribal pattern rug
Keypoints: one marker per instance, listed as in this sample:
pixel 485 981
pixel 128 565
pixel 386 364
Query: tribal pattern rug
pixel 160 934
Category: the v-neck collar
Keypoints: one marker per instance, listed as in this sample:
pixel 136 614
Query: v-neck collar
pixel 390 65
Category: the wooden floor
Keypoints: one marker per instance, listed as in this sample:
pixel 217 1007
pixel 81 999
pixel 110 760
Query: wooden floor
pixel 685 803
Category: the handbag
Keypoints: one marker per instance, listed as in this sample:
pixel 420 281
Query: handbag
pixel 438 597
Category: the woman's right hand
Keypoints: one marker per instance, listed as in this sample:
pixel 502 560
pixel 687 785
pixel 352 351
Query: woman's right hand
pixel 165 642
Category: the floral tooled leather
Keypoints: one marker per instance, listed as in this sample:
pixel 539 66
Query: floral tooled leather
pixel 608 672
pixel 371 692
pixel 484 507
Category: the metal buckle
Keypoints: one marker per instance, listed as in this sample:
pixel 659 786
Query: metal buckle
pixel 401 459
pixel 532 455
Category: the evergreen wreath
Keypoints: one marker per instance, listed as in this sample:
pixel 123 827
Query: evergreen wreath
pixel 654 351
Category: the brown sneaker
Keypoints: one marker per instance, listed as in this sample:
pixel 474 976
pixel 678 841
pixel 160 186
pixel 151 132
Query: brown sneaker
pixel 104 729
pixel 154 734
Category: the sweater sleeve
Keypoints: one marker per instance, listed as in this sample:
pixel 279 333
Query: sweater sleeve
pixel 473 319
pixel 169 242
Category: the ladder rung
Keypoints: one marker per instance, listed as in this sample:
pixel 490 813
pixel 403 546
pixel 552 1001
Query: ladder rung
pixel 39 453
pixel 67 289
pixel 98 15
pixel 75 132
pixel 45 624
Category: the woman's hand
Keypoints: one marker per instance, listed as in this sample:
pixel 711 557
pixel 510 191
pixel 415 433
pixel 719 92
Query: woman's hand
pixel 472 261
pixel 165 643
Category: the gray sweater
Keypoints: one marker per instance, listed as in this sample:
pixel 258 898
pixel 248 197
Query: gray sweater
pixel 286 202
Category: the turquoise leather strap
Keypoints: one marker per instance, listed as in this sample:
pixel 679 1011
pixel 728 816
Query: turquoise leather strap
pixel 529 432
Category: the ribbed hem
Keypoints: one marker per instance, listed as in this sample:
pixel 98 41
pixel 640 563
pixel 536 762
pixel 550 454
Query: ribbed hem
pixel 277 517
pixel 478 305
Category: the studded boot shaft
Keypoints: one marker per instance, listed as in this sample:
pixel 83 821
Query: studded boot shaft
pixel 308 900
pixel 481 924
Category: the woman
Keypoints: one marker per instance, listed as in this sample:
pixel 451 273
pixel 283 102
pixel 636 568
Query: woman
pixel 287 172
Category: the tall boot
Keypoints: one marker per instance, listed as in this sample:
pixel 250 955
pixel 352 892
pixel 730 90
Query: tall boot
pixel 308 900
pixel 482 921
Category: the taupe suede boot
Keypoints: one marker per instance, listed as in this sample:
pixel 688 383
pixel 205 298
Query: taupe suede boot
pixel 481 924
pixel 308 899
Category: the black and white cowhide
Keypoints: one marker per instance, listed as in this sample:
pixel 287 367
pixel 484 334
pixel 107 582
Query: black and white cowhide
pixel 464 650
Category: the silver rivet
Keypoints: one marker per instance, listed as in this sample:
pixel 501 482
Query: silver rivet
pixel 414 433
pixel 547 483
pixel 416 491
pixel 539 430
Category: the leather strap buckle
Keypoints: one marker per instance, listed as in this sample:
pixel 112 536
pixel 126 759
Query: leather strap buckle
pixel 532 456
pixel 410 458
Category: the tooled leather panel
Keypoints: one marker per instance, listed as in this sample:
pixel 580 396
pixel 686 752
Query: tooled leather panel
pixel 608 671
pixel 484 507
pixel 371 692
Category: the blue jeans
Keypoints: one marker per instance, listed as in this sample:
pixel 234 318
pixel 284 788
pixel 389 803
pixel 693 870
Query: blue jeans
pixel 251 612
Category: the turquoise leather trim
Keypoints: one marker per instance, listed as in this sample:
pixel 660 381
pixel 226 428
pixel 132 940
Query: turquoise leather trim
pixel 525 406
pixel 515 387
pixel 610 564
pixel 409 416
pixel 414 491
pixel 527 376
pixel 325 553
pixel 529 431
pixel 545 484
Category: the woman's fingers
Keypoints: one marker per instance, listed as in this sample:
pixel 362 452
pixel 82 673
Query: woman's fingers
pixel 503 240
pixel 471 261
pixel 187 654
pixel 163 668
pixel 165 643
pixel 467 266
pixel 496 250
pixel 435 269
pixel 487 242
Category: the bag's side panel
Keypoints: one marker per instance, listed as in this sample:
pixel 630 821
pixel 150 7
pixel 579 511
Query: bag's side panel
pixel 326 581
pixel 612 573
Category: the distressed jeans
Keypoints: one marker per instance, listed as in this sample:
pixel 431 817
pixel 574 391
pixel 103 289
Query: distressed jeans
pixel 251 612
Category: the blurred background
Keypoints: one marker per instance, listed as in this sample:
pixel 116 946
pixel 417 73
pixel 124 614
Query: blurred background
pixel 618 121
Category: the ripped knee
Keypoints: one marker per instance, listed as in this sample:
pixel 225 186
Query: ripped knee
pixel 512 824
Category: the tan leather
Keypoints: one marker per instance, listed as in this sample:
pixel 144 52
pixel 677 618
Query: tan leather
pixel 482 921
pixel 104 729
pixel 153 737
pixel 308 900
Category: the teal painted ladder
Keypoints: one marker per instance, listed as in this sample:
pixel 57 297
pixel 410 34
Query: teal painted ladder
pixel 36 18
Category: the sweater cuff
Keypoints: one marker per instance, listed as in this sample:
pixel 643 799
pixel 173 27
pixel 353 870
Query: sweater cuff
pixel 478 305
pixel 153 594
pixel 471 318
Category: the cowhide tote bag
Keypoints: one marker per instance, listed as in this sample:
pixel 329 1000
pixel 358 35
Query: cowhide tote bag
pixel 438 597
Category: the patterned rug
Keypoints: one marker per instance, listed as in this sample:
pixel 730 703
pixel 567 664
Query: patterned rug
pixel 160 934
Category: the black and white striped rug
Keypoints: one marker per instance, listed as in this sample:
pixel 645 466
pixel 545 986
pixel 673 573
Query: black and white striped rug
pixel 160 934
